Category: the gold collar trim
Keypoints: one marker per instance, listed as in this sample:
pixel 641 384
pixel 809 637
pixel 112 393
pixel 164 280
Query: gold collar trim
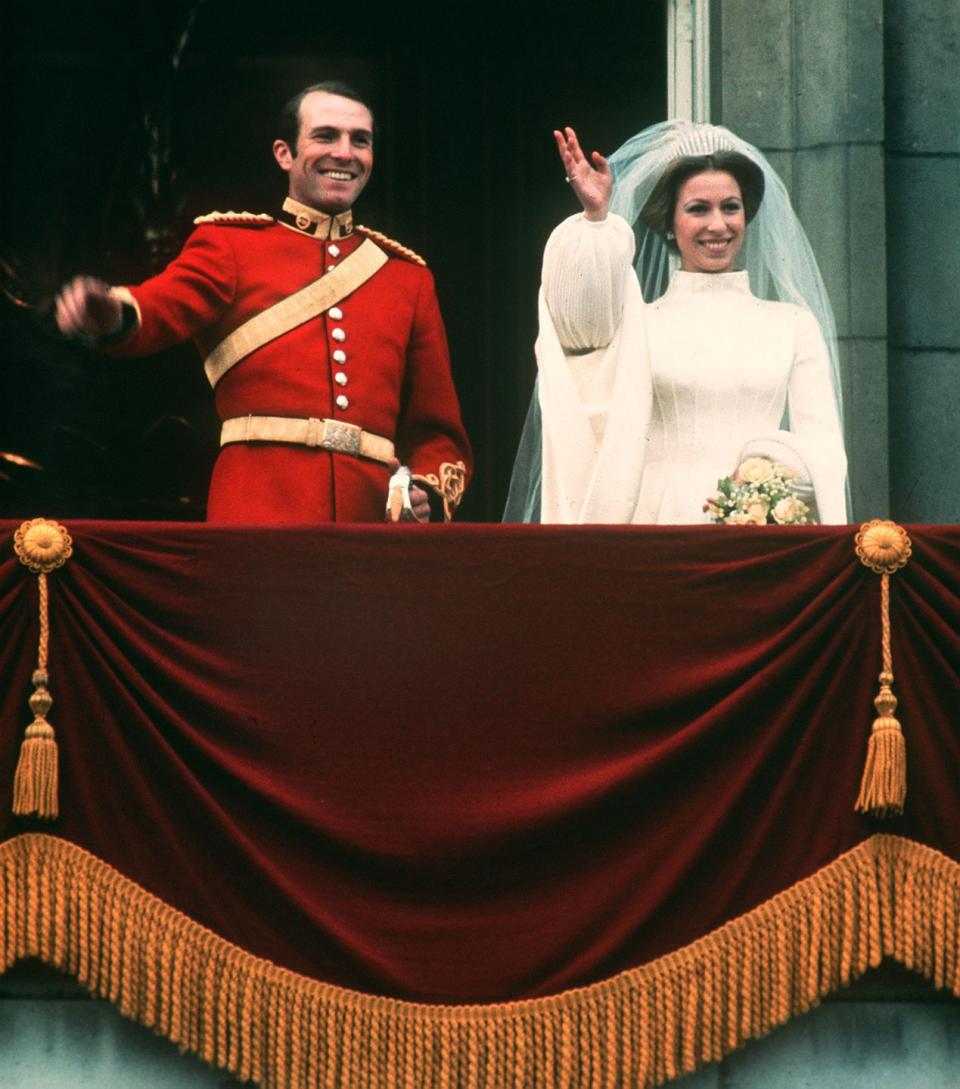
pixel 318 224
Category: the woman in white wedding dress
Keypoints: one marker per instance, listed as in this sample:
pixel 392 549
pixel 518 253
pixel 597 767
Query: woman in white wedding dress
pixel 642 405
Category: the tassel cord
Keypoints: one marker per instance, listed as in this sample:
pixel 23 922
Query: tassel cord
pixel 885 637
pixel 43 649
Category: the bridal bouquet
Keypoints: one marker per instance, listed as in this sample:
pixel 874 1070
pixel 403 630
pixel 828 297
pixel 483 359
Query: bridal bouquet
pixel 761 492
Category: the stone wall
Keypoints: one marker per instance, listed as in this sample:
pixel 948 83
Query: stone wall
pixel 53 1035
pixel 803 80
pixel 923 242
pixel 888 1029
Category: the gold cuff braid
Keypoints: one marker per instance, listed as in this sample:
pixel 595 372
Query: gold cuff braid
pixel 449 485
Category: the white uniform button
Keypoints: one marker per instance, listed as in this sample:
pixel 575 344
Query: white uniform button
pixel 343 401
pixel 331 266
pixel 339 335
pixel 340 378
pixel 335 312
pixel 339 356
pixel 333 249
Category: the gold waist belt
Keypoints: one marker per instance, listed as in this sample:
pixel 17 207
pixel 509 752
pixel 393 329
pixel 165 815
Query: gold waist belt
pixel 344 438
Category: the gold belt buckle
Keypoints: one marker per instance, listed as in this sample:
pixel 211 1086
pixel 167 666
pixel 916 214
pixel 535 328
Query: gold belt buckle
pixel 342 437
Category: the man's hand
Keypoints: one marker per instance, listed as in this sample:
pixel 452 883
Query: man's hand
pixel 590 179
pixel 86 307
pixel 419 499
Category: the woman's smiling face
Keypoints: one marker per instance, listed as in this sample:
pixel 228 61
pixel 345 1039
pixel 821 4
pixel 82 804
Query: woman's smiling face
pixel 709 222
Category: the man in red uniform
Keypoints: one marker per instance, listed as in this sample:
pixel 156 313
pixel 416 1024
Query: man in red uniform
pixel 323 341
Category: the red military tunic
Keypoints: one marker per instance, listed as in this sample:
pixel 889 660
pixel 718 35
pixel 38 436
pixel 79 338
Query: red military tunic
pixel 378 359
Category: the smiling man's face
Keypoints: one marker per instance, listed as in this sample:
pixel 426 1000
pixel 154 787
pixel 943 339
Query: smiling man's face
pixel 334 153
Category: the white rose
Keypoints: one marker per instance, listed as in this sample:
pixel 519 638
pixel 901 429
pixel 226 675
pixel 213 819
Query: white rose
pixel 788 511
pixel 782 469
pixel 755 470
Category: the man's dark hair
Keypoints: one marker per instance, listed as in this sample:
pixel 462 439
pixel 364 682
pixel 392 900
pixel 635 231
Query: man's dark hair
pixel 658 213
pixel 289 122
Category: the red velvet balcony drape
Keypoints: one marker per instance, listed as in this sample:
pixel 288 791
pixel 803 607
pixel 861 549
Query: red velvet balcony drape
pixel 467 763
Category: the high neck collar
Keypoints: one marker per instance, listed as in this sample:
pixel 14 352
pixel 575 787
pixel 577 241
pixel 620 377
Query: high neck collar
pixel 306 220
pixel 708 284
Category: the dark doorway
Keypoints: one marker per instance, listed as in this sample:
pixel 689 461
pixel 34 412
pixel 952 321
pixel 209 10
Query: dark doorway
pixel 125 120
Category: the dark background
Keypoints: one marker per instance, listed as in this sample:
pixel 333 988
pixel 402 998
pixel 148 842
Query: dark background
pixel 123 121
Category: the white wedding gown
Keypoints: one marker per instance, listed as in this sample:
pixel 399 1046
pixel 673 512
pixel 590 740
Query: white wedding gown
pixel 644 406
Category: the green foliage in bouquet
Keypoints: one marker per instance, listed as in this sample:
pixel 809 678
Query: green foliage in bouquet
pixel 761 492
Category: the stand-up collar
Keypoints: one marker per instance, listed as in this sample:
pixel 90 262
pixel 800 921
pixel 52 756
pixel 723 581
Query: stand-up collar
pixel 307 220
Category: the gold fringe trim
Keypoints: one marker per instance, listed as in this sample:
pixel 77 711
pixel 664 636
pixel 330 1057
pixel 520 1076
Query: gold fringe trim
pixel 888 897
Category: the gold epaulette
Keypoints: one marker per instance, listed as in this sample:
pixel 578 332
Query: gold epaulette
pixel 235 219
pixel 390 244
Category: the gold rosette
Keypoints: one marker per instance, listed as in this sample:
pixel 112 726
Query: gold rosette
pixel 884 547
pixel 41 546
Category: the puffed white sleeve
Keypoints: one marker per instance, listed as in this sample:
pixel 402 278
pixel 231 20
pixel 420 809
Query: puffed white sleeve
pixel 815 419
pixel 586 264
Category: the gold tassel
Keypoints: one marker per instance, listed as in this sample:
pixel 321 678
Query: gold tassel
pixel 884 547
pixel 883 788
pixel 41 546
pixel 36 780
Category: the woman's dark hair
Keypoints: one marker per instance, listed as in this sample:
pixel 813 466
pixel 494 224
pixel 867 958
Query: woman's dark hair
pixel 658 213
pixel 289 122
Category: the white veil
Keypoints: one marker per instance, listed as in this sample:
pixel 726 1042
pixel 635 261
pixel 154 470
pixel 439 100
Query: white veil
pixel 776 253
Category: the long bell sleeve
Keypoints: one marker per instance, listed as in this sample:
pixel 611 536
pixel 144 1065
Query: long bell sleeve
pixel 585 269
pixel 594 380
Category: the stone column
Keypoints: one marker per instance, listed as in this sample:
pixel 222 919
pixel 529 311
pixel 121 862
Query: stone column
pixel 923 233
pixel 803 80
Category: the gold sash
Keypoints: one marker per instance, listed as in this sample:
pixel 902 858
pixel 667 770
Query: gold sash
pixel 295 309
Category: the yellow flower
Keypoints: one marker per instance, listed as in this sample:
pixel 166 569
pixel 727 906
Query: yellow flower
pixel 787 511
pixel 755 470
